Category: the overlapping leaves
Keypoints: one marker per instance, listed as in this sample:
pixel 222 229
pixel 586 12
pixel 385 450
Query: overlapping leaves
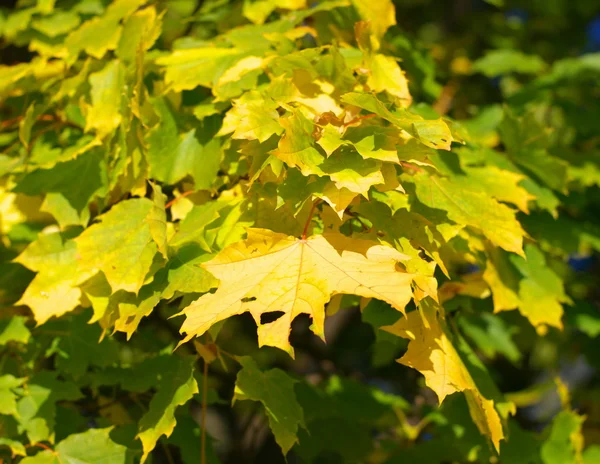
pixel 262 169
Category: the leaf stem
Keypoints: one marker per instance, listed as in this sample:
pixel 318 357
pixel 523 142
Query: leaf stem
pixel 204 400
pixel 167 451
pixel 410 166
pixel 359 118
pixel 41 445
pixel 309 219
pixel 183 195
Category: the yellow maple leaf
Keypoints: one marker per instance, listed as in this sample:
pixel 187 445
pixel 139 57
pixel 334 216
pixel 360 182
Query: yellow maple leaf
pixel 431 352
pixel 271 272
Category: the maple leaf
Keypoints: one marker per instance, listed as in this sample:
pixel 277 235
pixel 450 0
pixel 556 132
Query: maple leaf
pixel 431 352
pixel 54 290
pixel 93 446
pixel 121 245
pixel 527 284
pixel 475 209
pixel 541 291
pixel 433 133
pixel 270 272
pixel 103 114
pixel 275 389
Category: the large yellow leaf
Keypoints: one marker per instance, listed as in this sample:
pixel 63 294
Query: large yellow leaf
pixel 270 272
pixel 432 353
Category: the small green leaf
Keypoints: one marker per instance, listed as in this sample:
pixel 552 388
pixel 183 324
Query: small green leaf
pixel 26 124
pixel 175 388
pixel 172 155
pixel 14 330
pixel 563 446
pixel 77 181
pixel 8 397
pixel 36 409
pixel 16 448
pixel 275 390
pixel 541 291
pixel 92 447
pixel 498 62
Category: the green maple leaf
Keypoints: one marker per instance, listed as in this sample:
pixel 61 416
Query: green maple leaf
pixel 470 208
pixel 14 330
pixel 541 291
pixel 36 409
pixel 70 186
pixel 176 387
pixel 275 390
pixel 8 397
pixel 527 142
pixel 92 447
pixel 173 155
pixel 563 444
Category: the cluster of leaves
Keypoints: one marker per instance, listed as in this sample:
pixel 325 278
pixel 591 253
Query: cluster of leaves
pixel 210 159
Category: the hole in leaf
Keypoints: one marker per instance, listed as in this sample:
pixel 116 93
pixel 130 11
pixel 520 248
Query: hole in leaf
pixel 424 256
pixel 272 316
pixel 248 299
pixel 400 267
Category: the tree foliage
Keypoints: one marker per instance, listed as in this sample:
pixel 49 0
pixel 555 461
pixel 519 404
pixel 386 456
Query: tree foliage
pixel 167 166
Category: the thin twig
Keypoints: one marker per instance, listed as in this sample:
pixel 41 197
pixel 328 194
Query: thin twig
pixel 41 445
pixel 309 219
pixel 167 451
pixel 353 215
pixel 183 195
pixel 410 166
pixel 204 400
pixel 444 102
pixel 359 118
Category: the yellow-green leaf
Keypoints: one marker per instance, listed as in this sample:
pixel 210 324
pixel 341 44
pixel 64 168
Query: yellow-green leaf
pixel 470 208
pixel 120 245
pixel 541 291
pixel 104 114
pixel 431 352
pixel 53 291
